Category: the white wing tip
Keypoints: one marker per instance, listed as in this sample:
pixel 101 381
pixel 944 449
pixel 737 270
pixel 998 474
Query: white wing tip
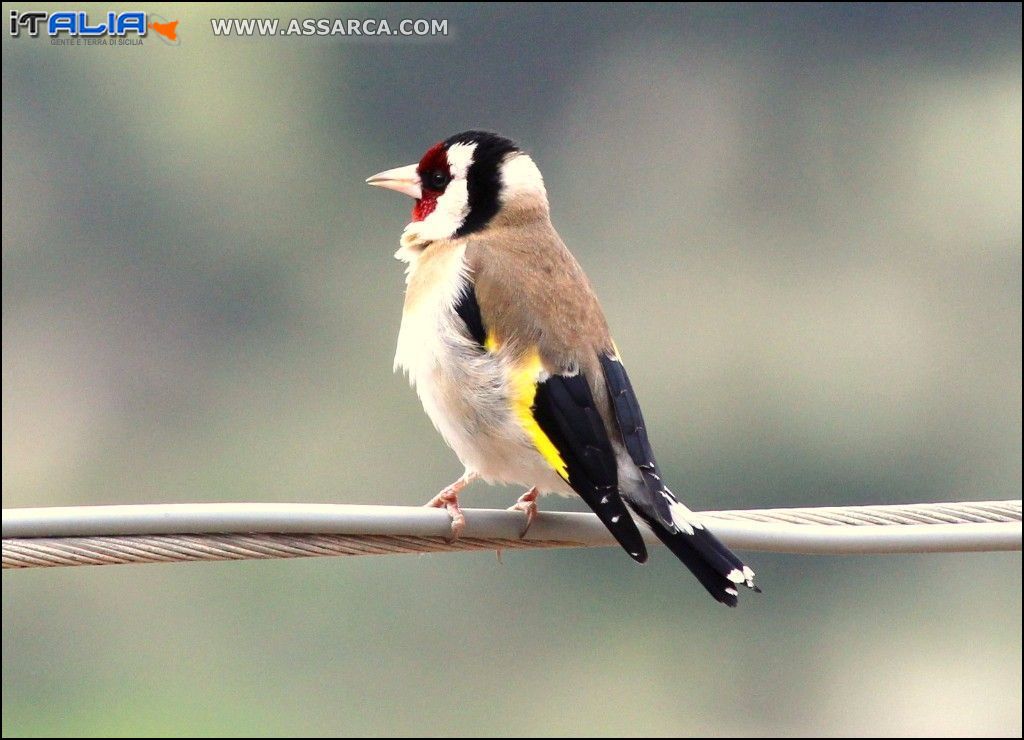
pixel 744 576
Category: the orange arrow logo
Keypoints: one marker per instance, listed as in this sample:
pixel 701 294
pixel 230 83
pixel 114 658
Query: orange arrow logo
pixel 168 30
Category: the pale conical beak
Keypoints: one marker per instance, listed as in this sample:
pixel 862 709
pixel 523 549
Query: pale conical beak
pixel 403 179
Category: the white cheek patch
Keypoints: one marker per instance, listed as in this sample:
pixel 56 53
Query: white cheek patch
pixel 448 215
pixel 452 206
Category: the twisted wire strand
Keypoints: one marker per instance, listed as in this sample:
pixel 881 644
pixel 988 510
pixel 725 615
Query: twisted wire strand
pixel 955 513
pixel 108 535
pixel 50 552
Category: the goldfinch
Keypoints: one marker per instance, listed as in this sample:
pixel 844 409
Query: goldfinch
pixel 509 351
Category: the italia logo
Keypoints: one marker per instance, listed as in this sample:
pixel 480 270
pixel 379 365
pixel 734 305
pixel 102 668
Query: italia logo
pixel 79 24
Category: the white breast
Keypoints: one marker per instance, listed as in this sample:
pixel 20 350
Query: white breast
pixel 435 280
pixel 465 392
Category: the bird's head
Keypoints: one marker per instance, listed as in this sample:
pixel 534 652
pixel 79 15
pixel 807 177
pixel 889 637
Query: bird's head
pixel 462 183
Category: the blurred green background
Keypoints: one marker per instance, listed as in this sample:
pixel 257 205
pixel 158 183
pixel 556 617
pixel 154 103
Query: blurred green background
pixel 804 223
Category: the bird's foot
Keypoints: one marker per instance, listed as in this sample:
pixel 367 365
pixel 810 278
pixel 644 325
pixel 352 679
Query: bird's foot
pixel 449 499
pixel 527 503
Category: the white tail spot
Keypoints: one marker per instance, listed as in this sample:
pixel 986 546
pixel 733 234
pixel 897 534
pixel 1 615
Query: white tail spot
pixel 683 517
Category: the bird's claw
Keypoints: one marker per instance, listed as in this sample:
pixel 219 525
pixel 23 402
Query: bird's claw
pixel 449 499
pixel 527 504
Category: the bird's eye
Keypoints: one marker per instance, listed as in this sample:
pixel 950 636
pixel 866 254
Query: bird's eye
pixel 435 180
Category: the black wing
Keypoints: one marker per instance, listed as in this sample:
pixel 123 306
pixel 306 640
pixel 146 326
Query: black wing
pixel 634 436
pixel 469 311
pixel 714 564
pixel 565 411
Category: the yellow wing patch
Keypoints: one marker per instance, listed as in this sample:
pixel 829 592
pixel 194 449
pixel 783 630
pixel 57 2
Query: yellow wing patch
pixel 524 391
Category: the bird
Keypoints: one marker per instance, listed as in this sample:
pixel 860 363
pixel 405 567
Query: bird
pixel 509 351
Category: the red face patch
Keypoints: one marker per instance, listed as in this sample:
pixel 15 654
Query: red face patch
pixel 432 167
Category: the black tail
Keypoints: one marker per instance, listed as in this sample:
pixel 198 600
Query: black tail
pixel 714 564
pixel 717 567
